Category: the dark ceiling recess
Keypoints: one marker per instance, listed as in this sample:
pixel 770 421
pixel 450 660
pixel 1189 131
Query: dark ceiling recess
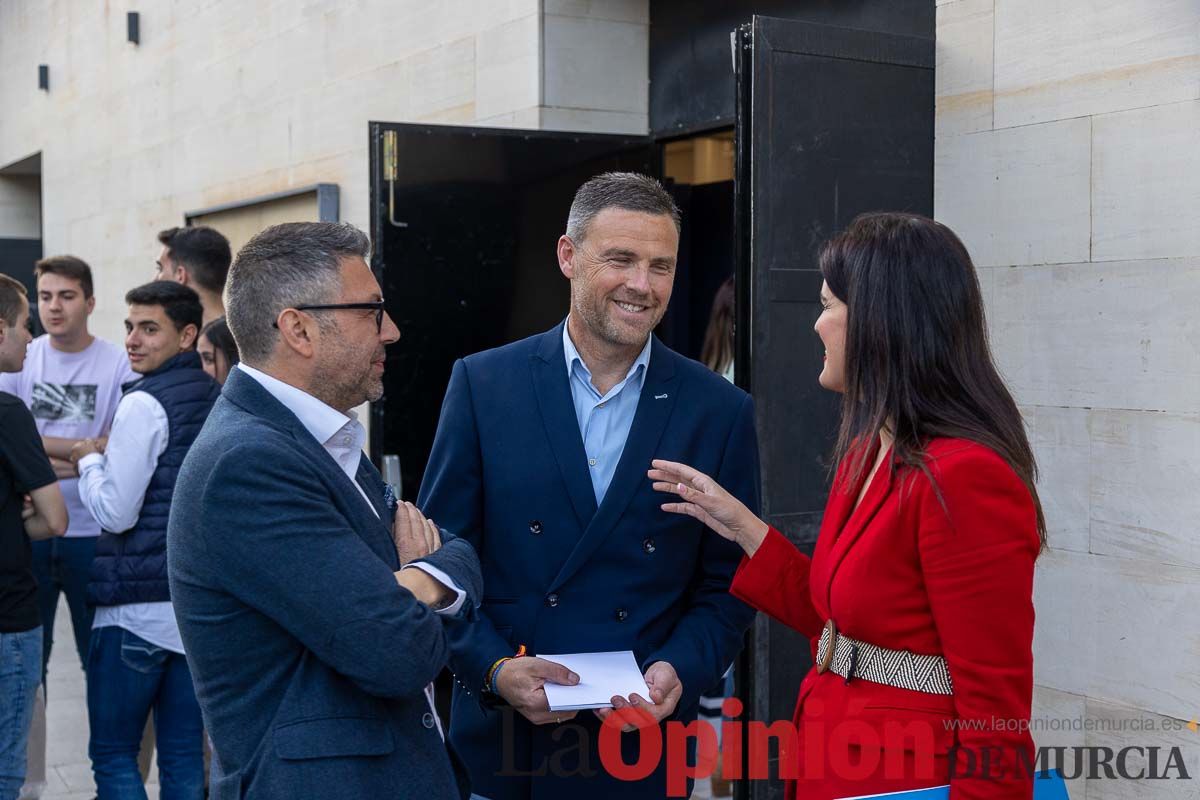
pixel 691 68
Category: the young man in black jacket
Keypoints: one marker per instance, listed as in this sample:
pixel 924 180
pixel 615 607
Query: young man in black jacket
pixel 31 507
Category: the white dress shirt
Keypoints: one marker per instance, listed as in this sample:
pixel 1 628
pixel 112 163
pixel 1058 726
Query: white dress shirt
pixel 113 487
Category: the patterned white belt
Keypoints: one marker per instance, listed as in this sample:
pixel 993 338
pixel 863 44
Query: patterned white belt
pixel 851 658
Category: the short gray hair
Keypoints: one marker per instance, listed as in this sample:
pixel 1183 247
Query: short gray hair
pixel 630 191
pixel 284 266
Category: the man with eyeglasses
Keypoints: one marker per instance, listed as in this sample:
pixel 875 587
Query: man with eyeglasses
pixel 312 604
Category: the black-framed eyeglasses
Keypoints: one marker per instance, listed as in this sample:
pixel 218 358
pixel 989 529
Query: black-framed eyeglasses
pixel 376 306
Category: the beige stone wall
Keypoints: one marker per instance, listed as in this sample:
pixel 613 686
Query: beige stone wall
pixel 1068 159
pixel 596 72
pixel 224 101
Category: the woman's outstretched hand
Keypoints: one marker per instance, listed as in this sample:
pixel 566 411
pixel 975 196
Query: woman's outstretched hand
pixel 704 499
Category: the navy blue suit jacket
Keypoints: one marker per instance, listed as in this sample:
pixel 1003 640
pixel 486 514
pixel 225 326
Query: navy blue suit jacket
pixel 508 473
pixel 309 660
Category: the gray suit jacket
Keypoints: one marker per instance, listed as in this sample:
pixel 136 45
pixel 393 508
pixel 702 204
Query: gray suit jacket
pixel 309 660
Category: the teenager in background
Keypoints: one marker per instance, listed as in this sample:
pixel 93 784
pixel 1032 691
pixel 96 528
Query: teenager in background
pixel 218 351
pixel 136 663
pixel 71 383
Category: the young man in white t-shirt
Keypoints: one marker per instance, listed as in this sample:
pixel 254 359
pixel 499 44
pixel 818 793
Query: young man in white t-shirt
pixel 72 383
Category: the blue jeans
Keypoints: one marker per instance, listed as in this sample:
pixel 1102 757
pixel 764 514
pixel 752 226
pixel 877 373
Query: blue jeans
pixel 20 674
pixel 62 566
pixel 127 679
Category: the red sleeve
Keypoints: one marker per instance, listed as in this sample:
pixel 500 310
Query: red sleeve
pixel 977 555
pixel 775 580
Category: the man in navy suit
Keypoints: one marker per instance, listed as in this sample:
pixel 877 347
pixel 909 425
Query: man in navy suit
pixel 540 461
pixel 313 620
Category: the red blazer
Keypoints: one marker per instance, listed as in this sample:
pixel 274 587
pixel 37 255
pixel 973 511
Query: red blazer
pixel 906 572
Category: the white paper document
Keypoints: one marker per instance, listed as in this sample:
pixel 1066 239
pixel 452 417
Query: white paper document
pixel 936 793
pixel 601 676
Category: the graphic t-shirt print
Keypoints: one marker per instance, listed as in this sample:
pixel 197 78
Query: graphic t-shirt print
pixel 64 402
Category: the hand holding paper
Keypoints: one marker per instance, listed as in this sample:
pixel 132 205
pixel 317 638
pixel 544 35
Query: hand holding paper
pixel 609 681
pixel 601 677
pixel 524 683
pixel 665 690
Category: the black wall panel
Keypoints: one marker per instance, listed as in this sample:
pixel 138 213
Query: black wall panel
pixel 691 67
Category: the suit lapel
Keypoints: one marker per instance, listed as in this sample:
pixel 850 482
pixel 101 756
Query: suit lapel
pixel 247 393
pixel 653 411
pixel 381 540
pixel 370 529
pixel 856 520
pixel 372 483
pixel 553 392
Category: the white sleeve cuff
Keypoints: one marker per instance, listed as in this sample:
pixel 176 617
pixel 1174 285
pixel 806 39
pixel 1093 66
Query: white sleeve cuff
pixel 444 580
pixel 89 460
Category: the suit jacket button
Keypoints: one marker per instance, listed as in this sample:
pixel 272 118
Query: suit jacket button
pixel 535 527
pixel 621 615
pixel 552 600
pixel 648 546
pixel 427 719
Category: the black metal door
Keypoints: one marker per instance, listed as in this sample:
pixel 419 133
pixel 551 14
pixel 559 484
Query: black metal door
pixel 464 225
pixel 831 122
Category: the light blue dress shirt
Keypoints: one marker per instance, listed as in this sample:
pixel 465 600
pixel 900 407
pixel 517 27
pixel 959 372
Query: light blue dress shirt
pixel 604 422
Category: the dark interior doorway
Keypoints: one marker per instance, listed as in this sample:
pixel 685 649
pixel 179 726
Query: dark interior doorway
pixel 21 225
pixel 464 244
pixel 699 171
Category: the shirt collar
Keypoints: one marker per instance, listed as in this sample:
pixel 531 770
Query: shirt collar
pixel 572 355
pixel 320 420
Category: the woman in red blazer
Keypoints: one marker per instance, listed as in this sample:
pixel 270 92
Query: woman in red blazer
pixel 918 595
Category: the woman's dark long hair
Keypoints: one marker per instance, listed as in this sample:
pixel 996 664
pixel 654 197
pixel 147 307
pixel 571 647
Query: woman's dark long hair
pixel 717 353
pixel 917 358
pixel 218 333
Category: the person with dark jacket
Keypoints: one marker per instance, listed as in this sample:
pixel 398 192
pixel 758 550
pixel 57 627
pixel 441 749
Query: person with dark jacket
pixel 314 605
pixel 31 507
pixel 540 462
pixel 136 661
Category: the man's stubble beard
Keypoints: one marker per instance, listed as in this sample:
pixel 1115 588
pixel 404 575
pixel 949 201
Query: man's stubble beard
pixel 336 388
pixel 602 324
pixel 375 390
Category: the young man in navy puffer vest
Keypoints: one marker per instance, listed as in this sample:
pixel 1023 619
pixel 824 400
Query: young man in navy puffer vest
pixel 136 662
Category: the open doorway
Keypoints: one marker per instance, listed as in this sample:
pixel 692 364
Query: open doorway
pixel 699 171
pixel 21 224
pixel 464 227
pixel 464 241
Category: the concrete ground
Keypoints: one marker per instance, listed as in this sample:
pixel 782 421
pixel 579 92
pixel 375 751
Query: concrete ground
pixel 68 770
